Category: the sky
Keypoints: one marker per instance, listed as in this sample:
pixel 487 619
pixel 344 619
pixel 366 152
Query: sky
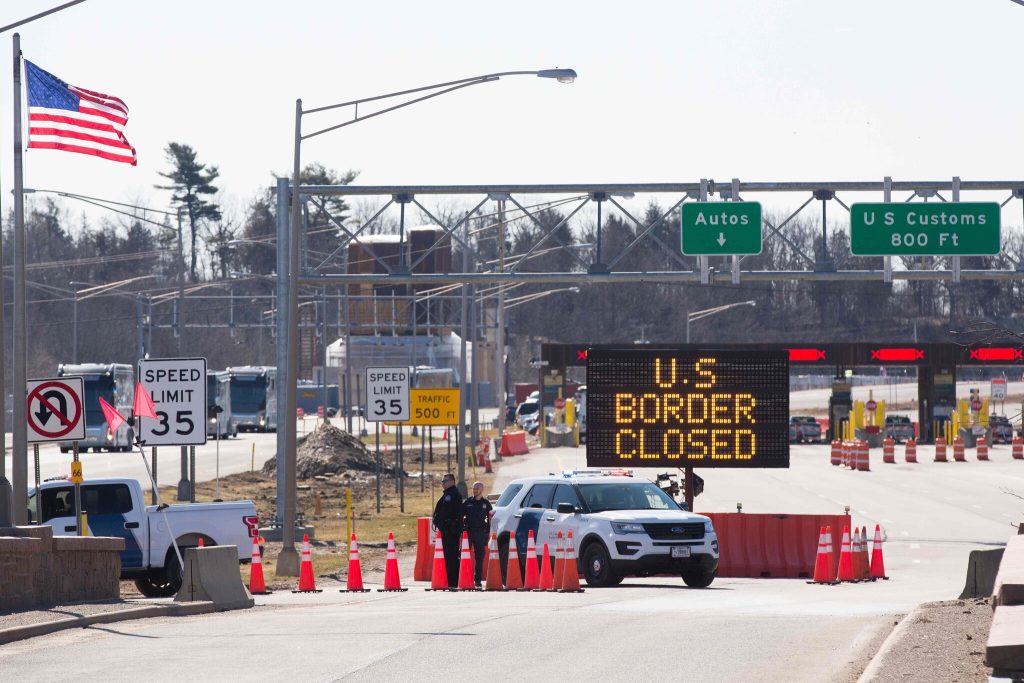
pixel 667 91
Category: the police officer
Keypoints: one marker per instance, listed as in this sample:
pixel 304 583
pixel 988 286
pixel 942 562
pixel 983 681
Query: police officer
pixel 477 512
pixel 448 520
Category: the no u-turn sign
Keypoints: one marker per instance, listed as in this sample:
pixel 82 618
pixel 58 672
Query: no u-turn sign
pixel 55 409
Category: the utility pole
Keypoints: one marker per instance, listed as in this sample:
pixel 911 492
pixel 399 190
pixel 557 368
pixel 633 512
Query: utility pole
pixel 460 430
pixel 499 337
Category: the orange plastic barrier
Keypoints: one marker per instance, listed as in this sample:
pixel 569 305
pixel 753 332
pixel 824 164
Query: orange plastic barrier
pixel 772 545
pixel 958 450
pixel 424 567
pixel 513 443
pixel 888 450
pixel 836 456
pixel 1017 446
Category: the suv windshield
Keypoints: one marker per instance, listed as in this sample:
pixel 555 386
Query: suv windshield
pixel 529 408
pixel 640 496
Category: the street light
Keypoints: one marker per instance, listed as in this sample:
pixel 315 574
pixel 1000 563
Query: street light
pixel 708 312
pixel 288 561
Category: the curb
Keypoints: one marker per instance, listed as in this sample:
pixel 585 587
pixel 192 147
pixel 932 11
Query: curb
pixel 874 667
pixel 15 633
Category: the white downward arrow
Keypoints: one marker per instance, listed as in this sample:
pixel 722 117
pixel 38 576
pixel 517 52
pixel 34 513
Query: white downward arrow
pixel 721 239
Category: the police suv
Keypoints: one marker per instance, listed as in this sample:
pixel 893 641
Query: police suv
pixel 622 526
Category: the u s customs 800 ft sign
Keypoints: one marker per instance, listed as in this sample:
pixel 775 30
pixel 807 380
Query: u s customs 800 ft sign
pixel 687 408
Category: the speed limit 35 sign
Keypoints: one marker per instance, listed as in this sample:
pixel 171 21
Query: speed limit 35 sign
pixel 387 394
pixel 178 388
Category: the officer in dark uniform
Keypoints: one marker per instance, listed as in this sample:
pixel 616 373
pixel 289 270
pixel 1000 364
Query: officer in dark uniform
pixel 477 512
pixel 448 520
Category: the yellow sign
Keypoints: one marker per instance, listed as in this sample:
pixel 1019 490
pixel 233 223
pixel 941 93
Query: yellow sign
pixel 433 408
pixel 76 472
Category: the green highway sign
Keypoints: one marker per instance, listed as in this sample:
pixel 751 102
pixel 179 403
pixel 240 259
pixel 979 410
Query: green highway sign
pixel 721 228
pixel 956 229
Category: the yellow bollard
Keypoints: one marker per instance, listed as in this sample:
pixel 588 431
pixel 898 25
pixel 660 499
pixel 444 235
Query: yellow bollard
pixel 85 523
pixel 252 458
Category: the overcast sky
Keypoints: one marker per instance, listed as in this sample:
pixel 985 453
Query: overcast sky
pixel 667 91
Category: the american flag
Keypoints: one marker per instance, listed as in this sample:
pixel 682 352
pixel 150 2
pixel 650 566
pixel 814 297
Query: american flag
pixel 72 119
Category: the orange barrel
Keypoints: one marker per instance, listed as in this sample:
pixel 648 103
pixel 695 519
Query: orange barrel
pixel 958 450
pixel 940 450
pixel 864 457
pixel 1017 448
pixel 910 451
pixel 888 450
pixel 982 448
pixel 836 455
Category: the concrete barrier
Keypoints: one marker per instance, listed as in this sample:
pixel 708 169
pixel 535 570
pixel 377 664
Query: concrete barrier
pixel 982 567
pixel 514 443
pixel 772 545
pixel 1009 584
pixel 1005 648
pixel 211 573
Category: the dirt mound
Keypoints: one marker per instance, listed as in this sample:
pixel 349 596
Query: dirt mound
pixel 328 450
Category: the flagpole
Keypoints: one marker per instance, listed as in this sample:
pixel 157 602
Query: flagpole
pixel 19 451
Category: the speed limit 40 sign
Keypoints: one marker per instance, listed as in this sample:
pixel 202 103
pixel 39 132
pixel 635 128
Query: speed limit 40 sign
pixel 387 394
pixel 178 388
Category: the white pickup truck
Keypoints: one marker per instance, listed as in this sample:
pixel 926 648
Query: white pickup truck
pixel 116 507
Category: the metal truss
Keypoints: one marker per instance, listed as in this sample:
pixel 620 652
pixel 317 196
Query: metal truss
pixel 597 264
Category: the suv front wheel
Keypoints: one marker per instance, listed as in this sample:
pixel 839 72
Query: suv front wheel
pixel 698 578
pixel 597 567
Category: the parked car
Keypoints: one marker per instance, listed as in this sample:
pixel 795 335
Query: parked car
pixel 899 428
pixel 116 507
pixel 804 429
pixel 528 409
pixel 1002 429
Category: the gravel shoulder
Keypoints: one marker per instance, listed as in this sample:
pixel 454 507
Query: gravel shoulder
pixel 942 641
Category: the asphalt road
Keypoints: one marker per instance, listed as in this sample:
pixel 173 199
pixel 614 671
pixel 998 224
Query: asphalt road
pixel 739 629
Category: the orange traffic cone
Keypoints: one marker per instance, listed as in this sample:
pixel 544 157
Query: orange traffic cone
pixel 354 584
pixel 855 555
pixel 831 553
pixel 556 582
pixel 256 584
pixel 513 577
pixel 532 579
pixel 439 575
pixel 570 574
pixel 877 563
pixel 845 558
pixel 466 566
pixel 493 566
pixel 306 582
pixel 865 558
pixel 821 573
pixel 392 581
pixel 547 579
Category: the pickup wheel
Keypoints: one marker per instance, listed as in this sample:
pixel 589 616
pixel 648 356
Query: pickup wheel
pixel 597 567
pixel 698 579
pixel 156 585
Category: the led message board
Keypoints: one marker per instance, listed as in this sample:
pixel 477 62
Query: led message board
pixel 687 408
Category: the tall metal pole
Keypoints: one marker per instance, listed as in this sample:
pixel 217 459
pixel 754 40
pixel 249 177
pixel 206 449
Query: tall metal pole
pixel 140 337
pixel 181 280
pixel 19 452
pixel 74 323
pixel 281 320
pixel 499 337
pixel 288 560
pixel 348 354
pixel 323 355
pixel 5 484
pixel 460 432
pixel 474 385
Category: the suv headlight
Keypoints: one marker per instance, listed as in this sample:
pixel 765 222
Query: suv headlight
pixel 709 528
pixel 627 528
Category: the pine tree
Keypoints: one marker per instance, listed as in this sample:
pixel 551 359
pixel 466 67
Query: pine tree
pixel 190 182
